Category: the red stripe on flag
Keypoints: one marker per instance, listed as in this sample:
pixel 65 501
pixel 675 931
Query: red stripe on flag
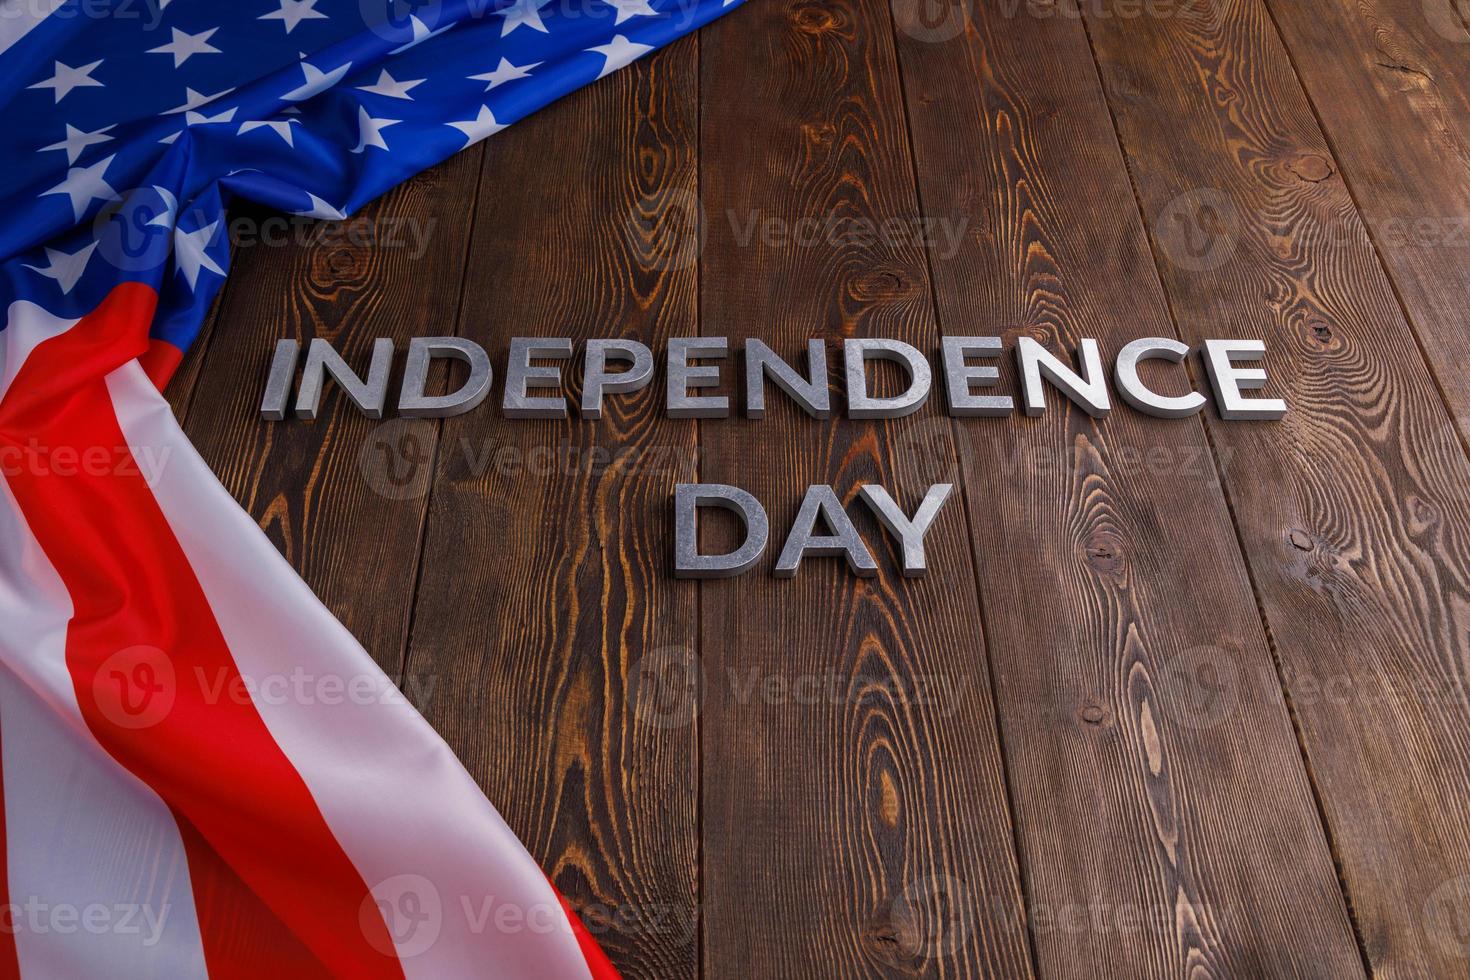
pixel 240 934
pixel 160 361
pixel 154 676
pixel 9 962
pixel 598 964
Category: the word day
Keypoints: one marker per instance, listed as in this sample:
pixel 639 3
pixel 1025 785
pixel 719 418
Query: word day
pixel 821 505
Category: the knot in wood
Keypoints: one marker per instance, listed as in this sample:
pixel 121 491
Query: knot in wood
pixel 1300 540
pixel 817 18
pixel 1311 167
pixel 1104 553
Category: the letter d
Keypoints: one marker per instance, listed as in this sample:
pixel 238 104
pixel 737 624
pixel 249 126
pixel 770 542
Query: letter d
pixel 688 562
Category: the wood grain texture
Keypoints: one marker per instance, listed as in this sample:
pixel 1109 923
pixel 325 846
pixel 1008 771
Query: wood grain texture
pixel 1133 678
pixel 855 820
pixel 1352 511
pixel 181 387
pixel 340 496
pixel 1390 82
pixel 545 607
pixel 830 776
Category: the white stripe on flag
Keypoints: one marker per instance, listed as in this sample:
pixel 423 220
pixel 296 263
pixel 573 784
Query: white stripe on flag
pixel 98 880
pixel 27 326
pixel 459 893
pixel 19 17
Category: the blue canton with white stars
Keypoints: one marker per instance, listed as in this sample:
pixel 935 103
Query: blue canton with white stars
pixel 130 125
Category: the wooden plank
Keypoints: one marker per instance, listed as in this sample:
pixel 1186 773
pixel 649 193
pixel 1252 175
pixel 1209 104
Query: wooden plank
pixel 181 387
pixel 1378 67
pixel 1133 678
pixel 544 585
pixel 339 496
pixel 854 799
pixel 1352 511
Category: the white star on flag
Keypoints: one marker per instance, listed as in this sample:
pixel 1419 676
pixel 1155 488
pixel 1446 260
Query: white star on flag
pixel 387 85
pixel 195 100
pixel 421 33
pixel 193 117
pixel 505 72
pixel 78 140
pixel 185 45
pixel 523 13
pixel 83 185
pixel 619 52
pixel 478 128
pixel 190 255
pixel 199 118
pixel 281 127
pixel 628 9
pixel 293 12
pixel 321 209
pixel 370 130
pixel 316 81
pixel 164 218
pixel 65 269
pixel 66 78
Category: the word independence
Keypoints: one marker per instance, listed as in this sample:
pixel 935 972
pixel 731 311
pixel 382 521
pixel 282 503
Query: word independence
pixel 692 364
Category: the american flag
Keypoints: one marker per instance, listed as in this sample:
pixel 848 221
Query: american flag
pixel 167 811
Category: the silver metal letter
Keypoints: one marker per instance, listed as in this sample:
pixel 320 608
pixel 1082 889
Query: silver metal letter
pixel 910 533
pixel 1229 381
pixel 683 376
pixel 688 562
pixel 278 385
pixel 813 396
pixel 961 377
pixel 414 404
pixel 1089 391
pixel 859 405
pixel 844 540
pixel 521 375
pixel 599 379
pixel 368 395
pixel 1139 395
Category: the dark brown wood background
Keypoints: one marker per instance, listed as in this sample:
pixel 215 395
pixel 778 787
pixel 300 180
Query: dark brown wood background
pixel 1178 699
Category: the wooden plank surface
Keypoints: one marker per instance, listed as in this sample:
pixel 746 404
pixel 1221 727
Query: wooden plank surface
pixel 185 381
pixel 1352 510
pixel 1133 679
pixel 863 830
pixel 545 609
pixel 1402 67
pixel 1067 752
